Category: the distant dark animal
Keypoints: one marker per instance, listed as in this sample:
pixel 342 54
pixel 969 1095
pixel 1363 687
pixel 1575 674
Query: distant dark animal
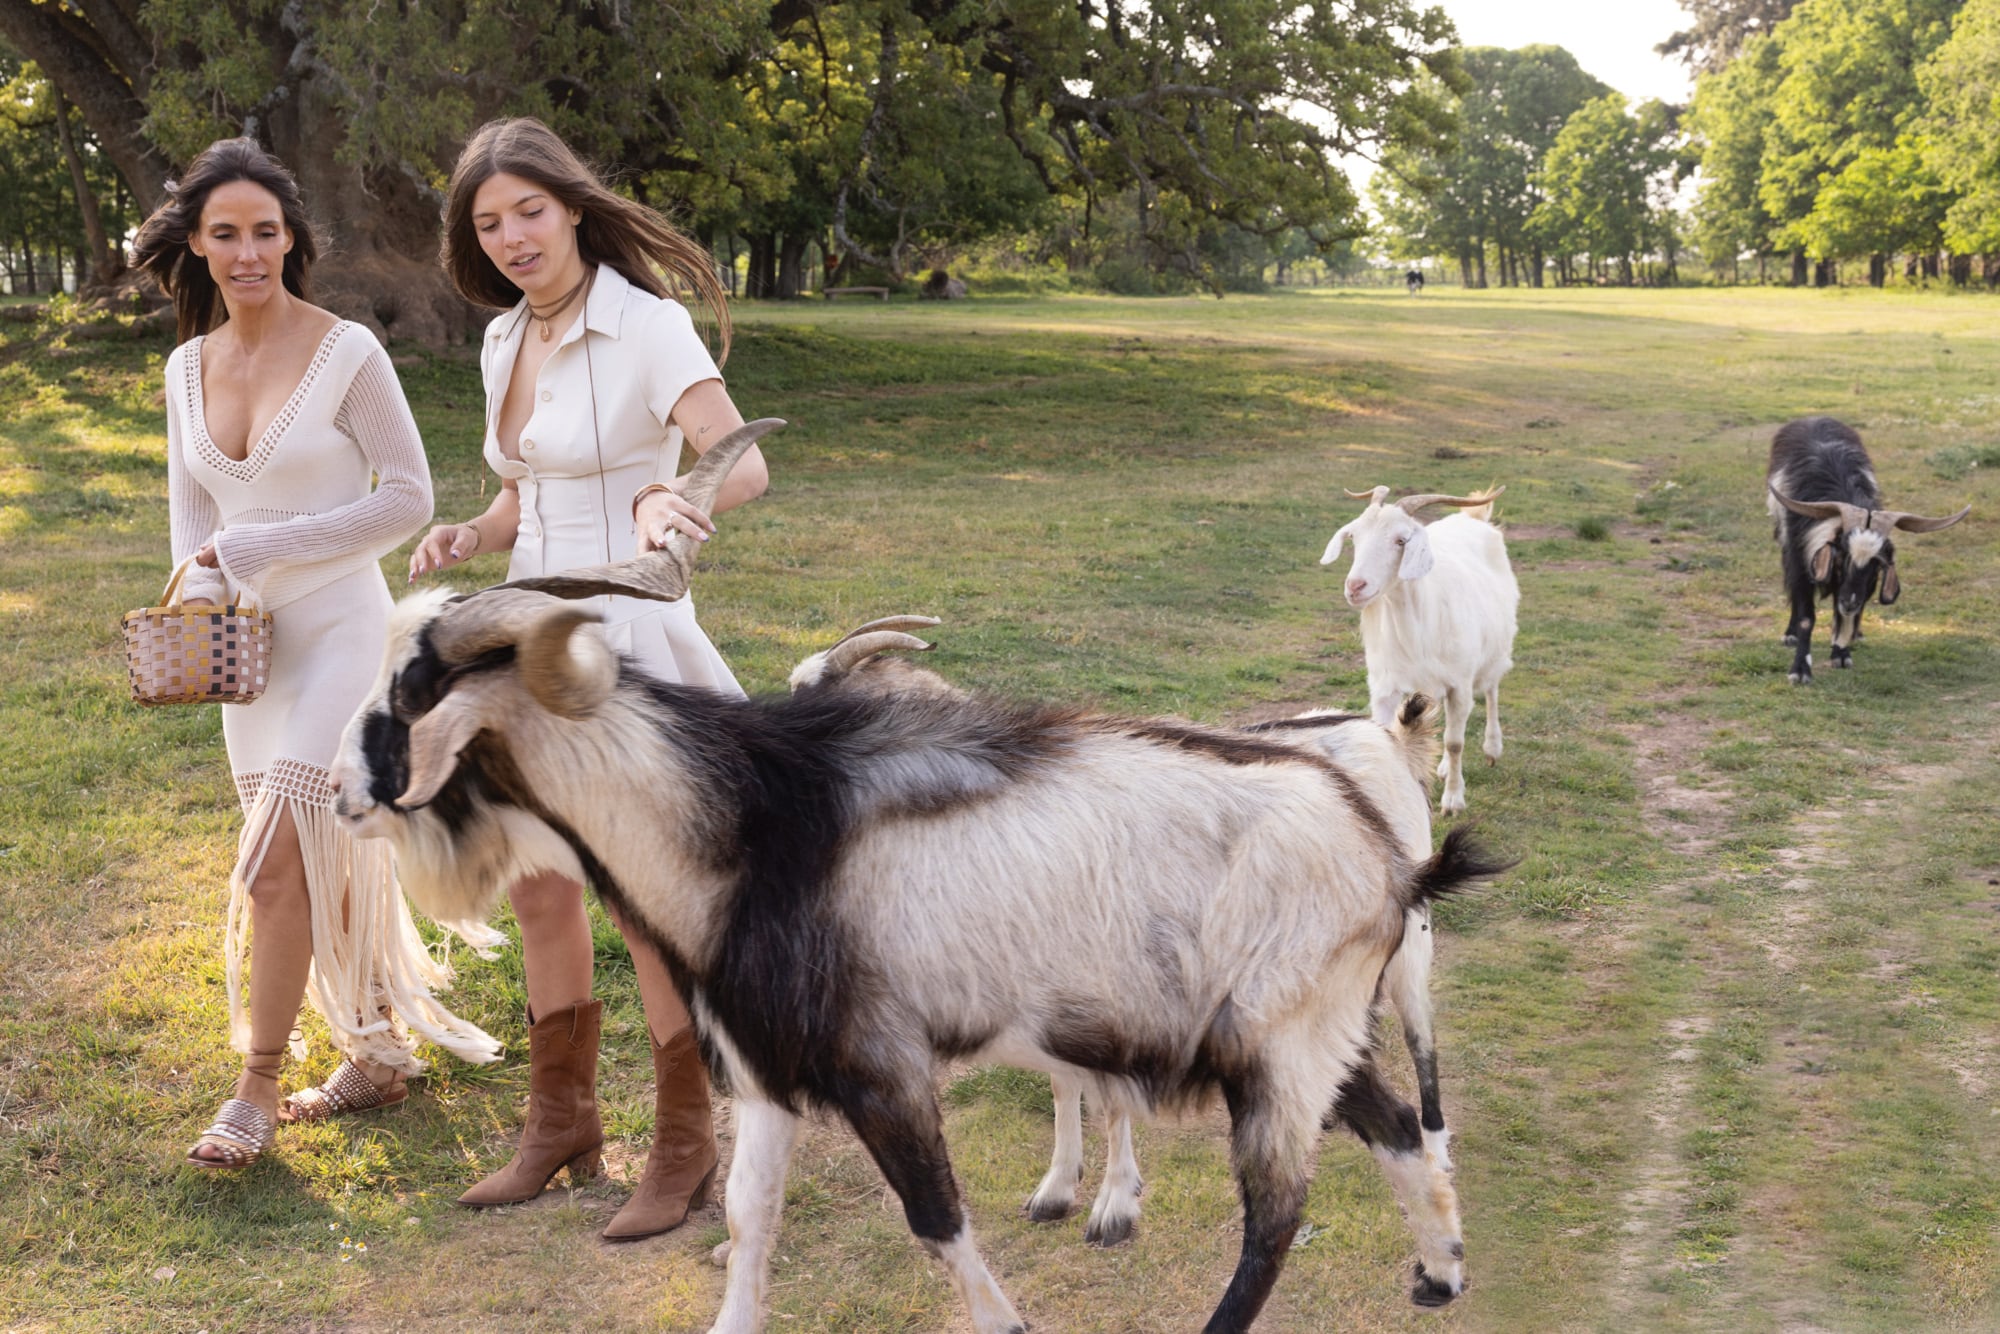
pixel 1832 532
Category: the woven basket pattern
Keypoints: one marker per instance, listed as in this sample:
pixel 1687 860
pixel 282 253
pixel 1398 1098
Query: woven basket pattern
pixel 198 655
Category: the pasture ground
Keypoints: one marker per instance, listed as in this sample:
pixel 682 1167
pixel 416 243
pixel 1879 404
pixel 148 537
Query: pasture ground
pixel 1721 1053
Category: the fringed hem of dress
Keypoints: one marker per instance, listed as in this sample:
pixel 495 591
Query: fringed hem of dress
pixel 372 977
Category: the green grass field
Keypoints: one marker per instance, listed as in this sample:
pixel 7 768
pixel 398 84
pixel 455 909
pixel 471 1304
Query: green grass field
pixel 1722 1053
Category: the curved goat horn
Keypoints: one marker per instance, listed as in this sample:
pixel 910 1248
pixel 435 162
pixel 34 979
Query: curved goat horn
pixel 568 674
pixel 661 575
pixel 1850 516
pixel 489 619
pixel 1916 523
pixel 858 648
pixel 1374 497
pixel 891 623
pixel 1411 504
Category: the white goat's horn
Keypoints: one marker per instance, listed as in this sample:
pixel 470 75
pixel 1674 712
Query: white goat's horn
pixel 661 575
pixel 569 674
pixel 1916 523
pixel 1850 516
pixel 1374 497
pixel 1411 504
pixel 891 623
pixel 858 648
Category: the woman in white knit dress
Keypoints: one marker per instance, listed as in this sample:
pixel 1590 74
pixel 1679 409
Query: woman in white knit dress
pixel 594 378
pixel 278 416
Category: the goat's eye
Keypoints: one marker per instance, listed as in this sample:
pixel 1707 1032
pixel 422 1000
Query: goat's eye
pixel 1402 541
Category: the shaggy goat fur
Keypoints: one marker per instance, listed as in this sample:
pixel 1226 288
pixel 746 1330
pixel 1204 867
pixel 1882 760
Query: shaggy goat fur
pixel 849 886
pixel 859 660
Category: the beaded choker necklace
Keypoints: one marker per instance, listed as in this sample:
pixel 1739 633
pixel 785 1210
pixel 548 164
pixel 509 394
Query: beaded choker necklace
pixel 555 311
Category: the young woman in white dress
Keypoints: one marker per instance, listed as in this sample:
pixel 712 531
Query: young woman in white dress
pixel 278 414
pixel 595 376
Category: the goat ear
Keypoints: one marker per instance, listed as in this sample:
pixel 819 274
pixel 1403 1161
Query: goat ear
pixel 436 741
pixel 1333 548
pixel 1892 587
pixel 1417 558
pixel 1822 561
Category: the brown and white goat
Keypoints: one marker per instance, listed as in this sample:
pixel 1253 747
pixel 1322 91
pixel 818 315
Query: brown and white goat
pixel 861 659
pixel 849 886
pixel 1833 534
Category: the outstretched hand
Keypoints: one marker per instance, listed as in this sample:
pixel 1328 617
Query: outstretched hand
pixel 444 546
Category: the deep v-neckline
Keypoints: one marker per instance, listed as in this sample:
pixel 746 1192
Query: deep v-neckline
pixel 274 430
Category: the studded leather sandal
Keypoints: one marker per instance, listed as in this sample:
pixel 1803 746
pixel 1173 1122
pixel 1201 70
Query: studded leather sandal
pixel 242 1130
pixel 347 1089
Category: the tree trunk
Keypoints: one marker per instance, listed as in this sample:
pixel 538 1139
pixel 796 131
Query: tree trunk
pixel 1799 268
pixel 1990 269
pixel 1878 269
pixel 1930 266
pixel 28 266
pixel 1961 270
pixel 761 282
pixel 106 262
pixel 1465 267
pixel 1823 273
pixel 1538 259
pixel 1482 266
pixel 106 79
pixel 791 256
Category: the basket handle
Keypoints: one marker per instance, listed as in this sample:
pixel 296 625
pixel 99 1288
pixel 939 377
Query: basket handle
pixel 174 583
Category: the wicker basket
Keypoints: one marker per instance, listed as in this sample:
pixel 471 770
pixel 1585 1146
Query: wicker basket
pixel 197 655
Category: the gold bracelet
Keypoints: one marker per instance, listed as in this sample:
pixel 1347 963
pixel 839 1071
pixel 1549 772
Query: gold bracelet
pixel 481 537
pixel 647 490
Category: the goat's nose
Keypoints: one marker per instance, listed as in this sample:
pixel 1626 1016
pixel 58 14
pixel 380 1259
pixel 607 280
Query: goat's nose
pixel 333 783
pixel 1356 587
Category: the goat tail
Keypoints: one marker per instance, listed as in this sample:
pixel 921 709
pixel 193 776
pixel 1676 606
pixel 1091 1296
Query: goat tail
pixel 1454 868
pixel 1416 734
pixel 1483 513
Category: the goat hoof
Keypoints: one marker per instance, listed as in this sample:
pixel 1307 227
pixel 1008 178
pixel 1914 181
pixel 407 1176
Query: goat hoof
pixel 719 1257
pixel 1429 1292
pixel 1799 678
pixel 1039 1210
pixel 1111 1231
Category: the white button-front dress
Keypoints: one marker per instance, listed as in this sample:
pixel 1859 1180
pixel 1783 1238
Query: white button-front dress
pixel 299 526
pixel 600 429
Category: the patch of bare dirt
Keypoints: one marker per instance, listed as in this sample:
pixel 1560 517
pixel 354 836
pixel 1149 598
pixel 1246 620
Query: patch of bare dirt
pixel 1653 1205
pixel 1681 803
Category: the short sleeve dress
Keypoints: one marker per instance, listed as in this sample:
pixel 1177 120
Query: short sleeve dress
pixel 599 431
pixel 299 525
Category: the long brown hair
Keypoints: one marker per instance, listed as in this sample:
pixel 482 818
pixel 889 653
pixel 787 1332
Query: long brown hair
pixel 161 246
pixel 649 251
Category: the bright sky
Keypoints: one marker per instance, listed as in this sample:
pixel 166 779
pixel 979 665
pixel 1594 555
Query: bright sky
pixel 1612 39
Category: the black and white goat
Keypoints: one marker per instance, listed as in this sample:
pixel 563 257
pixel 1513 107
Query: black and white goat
pixel 1832 533
pixel 851 885
pixel 860 659
pixel 1437 606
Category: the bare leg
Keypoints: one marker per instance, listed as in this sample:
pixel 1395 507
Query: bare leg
pixel 666 1012
pixel 556 949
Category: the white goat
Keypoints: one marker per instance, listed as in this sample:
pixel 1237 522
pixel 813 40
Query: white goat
pixel 858 660
pixel 1437 610
pixel 851 885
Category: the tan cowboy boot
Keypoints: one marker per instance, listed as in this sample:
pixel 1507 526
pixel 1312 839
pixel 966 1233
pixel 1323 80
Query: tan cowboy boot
pixel 563 1129
pixel 681 1168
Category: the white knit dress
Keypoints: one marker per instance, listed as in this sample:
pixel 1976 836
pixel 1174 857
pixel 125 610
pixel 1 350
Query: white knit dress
pixel 298 531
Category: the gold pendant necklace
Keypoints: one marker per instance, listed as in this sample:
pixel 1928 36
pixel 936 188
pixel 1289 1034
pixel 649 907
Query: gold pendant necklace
pixel 555 312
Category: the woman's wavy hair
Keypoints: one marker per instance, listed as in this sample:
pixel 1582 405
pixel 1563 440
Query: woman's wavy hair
pixel 649 251
pixel 161 246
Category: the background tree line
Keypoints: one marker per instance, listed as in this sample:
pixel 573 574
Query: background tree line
pixel 1821 132
pixel 1181 141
